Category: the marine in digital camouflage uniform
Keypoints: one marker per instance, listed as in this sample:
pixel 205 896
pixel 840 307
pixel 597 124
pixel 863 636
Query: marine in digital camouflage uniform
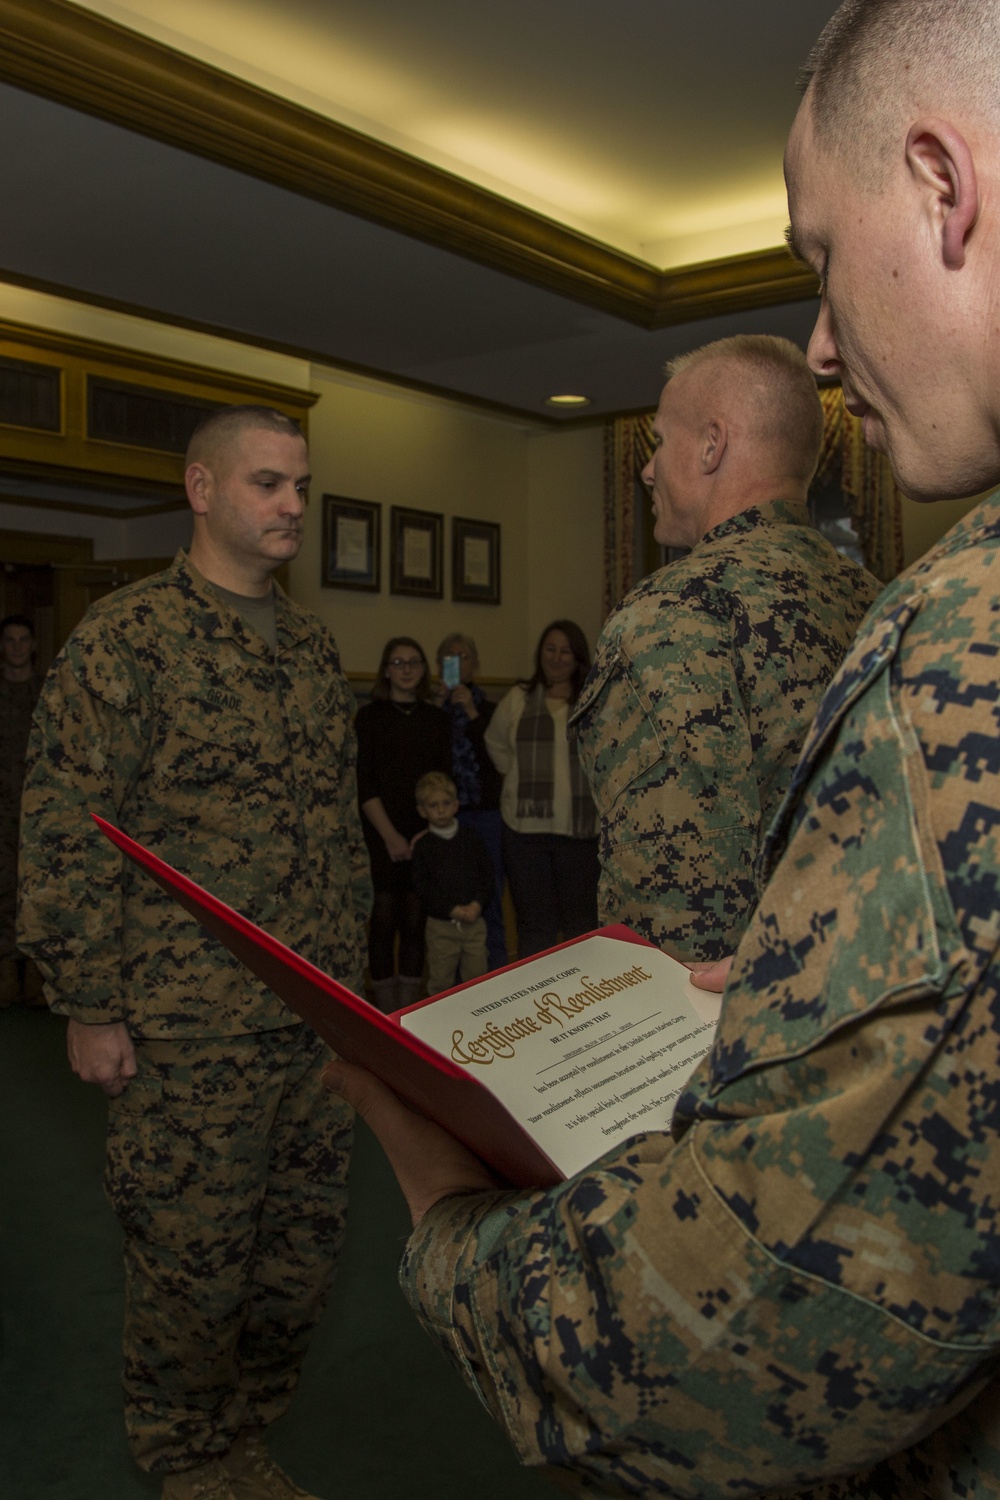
pixel 171 716
pixel 804 1277
pixel 797 1293
pixel 19 687
pixel 706 679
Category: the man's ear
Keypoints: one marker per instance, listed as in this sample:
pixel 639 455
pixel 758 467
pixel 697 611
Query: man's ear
pixel 714 446
pixel 940 162
pixel 198 483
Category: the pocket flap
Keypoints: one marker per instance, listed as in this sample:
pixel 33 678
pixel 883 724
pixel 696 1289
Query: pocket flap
pixel 616 727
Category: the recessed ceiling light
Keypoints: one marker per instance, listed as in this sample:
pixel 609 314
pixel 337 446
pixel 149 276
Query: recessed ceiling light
pixel 567 401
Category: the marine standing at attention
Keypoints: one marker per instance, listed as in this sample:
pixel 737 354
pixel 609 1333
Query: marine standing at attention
pixel 207 715
pixel 708 674
pixel 797 1291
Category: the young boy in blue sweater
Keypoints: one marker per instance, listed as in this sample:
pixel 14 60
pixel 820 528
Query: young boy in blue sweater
pixel 454 878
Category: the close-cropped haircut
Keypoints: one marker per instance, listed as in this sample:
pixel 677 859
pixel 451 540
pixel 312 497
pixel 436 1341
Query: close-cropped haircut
pixel 778 391
pixel 217 431
pixel 434 781
pixel 875 56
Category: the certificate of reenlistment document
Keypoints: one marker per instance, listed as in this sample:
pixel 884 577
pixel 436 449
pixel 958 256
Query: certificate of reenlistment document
pixel 585 1045
pixel 539 1068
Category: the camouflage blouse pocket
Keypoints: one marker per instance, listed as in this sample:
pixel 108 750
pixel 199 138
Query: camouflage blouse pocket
pixel 856 918
pixel 206 742
pixel 618 735
pixel 328 716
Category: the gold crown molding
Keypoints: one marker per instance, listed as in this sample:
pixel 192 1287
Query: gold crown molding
pixel 72 448
pixel 55 473
pixel 294 351
pixel 55 49
pixel 173 372
pixel 739 283
pixel 115 513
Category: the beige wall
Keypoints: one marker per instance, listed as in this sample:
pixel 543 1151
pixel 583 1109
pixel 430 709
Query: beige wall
pixel 565 528
pixel 374 441
pixel 370 441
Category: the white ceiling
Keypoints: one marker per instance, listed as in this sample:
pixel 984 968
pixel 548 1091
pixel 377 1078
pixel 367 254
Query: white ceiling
pixel 653 127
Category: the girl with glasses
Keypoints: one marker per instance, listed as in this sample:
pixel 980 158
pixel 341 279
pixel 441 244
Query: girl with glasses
pixel 401 736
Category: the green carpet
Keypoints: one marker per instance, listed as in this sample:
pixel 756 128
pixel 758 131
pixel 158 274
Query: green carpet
pixel 379 1414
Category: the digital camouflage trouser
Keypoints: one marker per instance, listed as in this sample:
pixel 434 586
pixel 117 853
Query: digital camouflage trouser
pixel 227 1167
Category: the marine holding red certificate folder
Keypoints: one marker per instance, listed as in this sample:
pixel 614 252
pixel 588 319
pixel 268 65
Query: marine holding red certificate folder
pixel 538 1068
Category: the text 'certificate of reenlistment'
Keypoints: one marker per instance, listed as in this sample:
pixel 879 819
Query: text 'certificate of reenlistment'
pixel 585 1046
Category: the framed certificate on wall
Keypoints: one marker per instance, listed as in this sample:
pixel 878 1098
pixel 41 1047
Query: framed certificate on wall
pixel 475 561
pixel 352 544
pixel 415 562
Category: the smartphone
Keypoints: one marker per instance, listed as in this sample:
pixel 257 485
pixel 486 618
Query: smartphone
pixel 451 671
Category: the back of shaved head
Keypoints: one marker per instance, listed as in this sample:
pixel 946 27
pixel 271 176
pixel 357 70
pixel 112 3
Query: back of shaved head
pixel 768 383
pixel 218 434
pixel 877 59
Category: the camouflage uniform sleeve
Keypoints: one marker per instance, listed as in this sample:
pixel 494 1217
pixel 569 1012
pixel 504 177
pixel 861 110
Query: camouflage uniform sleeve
pixel 631 1338
pixel 665 736
pixel 531 1297
pixel 350 819
pixel 802 1281
pixel 87 744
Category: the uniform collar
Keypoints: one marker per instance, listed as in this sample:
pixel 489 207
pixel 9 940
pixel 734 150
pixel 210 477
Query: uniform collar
pixel 219 620
pixel 770 513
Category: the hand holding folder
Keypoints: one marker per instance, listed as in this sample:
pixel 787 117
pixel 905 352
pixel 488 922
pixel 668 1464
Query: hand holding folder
pixel 537 1069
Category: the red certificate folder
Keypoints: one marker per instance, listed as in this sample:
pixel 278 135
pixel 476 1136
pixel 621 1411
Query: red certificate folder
pixel 430 1082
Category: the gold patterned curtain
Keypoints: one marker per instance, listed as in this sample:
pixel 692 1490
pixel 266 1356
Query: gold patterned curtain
pixel 863 475
pixel 628 447
pixel 866 477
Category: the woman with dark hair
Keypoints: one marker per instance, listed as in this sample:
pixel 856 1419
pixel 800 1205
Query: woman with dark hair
pixel 401 736
pixel 549 819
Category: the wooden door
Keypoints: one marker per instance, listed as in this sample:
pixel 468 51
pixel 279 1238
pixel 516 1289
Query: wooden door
pixel 54 580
